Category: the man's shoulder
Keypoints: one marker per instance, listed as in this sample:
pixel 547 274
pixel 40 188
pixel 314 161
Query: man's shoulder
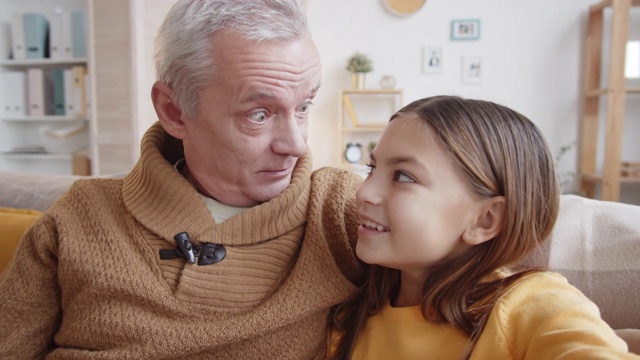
pixel 334 185
pixel 89 191
pixel 332 174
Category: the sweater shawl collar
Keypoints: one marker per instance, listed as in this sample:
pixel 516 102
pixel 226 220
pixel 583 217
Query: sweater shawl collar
pixel 166 203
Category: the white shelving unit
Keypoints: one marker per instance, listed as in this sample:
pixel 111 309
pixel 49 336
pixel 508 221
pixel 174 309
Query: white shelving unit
pixel 115 71
pixel 25 131
pixel 363 116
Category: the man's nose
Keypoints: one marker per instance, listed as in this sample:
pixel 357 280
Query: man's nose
pixel 291 137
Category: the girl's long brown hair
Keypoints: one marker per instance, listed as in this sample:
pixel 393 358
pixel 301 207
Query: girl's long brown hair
pixel 501 153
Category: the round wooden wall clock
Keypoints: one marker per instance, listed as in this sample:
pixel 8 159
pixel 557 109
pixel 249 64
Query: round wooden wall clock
pixel 404 7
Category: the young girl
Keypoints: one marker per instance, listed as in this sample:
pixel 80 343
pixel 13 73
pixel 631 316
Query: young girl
pixel 458 192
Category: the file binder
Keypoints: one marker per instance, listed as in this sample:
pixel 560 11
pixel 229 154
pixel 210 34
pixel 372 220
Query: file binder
pixel 58 91
pixel 14 93
pixel 87 94
pixel 69 108
pixel 17 37
pixel 39 92
pixel 348 105
pixel 78 34
pixel 36 34
pixel 60 35
pixel 79 95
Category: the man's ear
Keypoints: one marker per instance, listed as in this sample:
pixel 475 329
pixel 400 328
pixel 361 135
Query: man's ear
pixel 168 111
pixel 489 222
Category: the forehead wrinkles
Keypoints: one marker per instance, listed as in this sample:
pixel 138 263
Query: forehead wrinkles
pixel 280 71
pixel 270 83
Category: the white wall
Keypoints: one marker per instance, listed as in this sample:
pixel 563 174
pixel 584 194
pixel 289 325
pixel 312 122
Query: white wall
pixel 532 54
pixel 149 17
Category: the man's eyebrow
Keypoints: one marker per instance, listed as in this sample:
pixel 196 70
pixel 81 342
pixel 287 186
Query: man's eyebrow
pixel 259 96
pixel 314 90
pixel 268 95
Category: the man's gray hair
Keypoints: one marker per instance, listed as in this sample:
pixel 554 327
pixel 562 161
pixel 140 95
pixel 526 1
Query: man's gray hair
pixel 183 53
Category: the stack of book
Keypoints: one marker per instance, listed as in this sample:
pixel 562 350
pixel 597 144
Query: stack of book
pixel 41 92
pixel 631 169
pixel 61 35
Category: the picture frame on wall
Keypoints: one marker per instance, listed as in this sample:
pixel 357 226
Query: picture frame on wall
pixel 472 69
pixel 465 29
pixel 432 59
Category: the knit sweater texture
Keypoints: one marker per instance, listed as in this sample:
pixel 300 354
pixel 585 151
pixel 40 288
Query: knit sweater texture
pixel 87 281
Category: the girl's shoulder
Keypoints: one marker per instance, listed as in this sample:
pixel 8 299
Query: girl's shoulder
pixel 542 287
pixel 543 308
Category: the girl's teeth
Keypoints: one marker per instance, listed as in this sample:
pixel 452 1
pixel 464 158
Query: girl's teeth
pixel 374 227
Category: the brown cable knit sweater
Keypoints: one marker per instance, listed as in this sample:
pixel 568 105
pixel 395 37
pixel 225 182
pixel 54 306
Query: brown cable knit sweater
pixel 87 281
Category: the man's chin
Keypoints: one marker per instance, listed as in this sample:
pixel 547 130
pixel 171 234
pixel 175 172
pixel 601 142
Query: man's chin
pixel 272 190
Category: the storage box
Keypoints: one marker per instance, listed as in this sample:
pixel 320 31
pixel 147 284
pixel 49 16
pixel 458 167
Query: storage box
pixel 65 138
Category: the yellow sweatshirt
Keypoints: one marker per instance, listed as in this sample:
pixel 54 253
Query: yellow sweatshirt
pixel 540 317
pixel 87 282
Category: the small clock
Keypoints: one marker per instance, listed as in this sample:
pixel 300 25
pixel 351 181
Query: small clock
pixel 353 153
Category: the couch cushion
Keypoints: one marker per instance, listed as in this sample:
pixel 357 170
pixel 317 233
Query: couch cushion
pixel 13 224
pixel 596 245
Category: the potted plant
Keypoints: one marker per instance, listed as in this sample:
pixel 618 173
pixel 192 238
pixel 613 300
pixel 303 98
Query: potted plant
pixel 358 64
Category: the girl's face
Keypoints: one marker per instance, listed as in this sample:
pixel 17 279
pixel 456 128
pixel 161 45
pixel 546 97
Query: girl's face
pixel 415 205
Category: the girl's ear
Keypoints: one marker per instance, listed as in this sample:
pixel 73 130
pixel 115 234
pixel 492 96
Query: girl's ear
pixel 489 222
pixel 168 111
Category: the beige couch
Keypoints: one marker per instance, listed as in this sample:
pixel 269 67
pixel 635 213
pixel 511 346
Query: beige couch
pixel 595 244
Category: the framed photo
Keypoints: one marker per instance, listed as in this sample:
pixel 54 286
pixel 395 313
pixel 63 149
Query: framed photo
pixel 472 69
pixel 465 29
pixel 432 59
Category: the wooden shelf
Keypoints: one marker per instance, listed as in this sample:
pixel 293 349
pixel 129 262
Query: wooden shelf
pixel 609 3
pixel 609 178
pixel 595 178
pixel 364 114
pixel 607 91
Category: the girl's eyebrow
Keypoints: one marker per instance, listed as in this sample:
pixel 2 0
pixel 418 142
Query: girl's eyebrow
pixel 396 160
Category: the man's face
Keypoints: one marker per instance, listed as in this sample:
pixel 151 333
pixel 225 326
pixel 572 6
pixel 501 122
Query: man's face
pixel 251 124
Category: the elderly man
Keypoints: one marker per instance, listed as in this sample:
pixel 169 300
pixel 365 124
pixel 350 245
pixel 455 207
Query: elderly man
pixel 221 242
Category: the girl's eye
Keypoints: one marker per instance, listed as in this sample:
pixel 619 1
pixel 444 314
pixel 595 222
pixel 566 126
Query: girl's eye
pixel 258 116
pixel 370 169
pixel 305 107
pixel 402 177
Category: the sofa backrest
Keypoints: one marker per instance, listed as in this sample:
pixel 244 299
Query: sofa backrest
pixel 596 246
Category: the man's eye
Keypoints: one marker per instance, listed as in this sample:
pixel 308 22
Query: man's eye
pixel 305 107
pixel 258 116
pixel 402 177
